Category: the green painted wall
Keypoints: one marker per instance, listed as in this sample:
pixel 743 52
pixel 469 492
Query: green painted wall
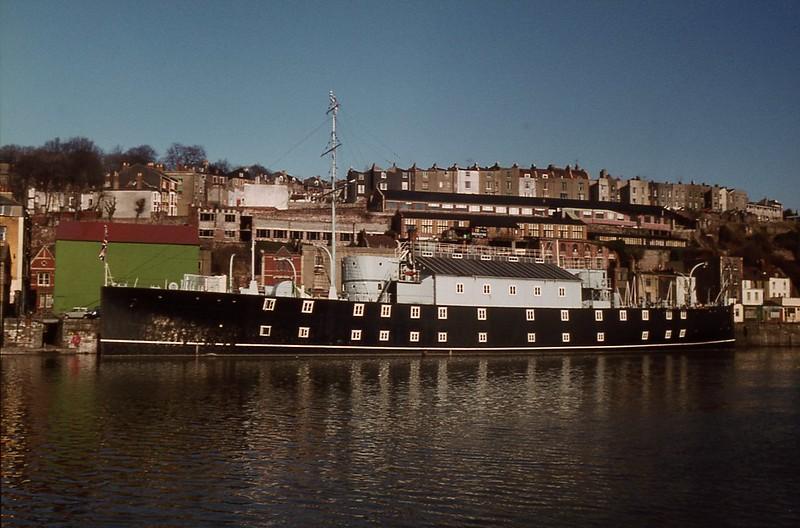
pixel 79 273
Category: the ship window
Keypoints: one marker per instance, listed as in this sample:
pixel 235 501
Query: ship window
pixel 415 312
pixel 645 315
pixel 383 335
pixel 358 310
pixel 386 310
pixel 442 312
pixel 308 306
pixel 565 337
pixel 269 305
pixel 562 292
pixel 683 314
pixel 265 330
pixel 668 334
pixel 413 337
pixel 481 314
pixel 303 331
pixel 623 315
pixel 482 338
pixel 530 314
pixel 487 289
pixel 669 315
pixel 531 337
pixel 460 287
pixel 443 337
pixel 645 335
pixel 598 315
pixel 682 333
pixel 601 337
pixel 355 335
pixel 537 291
pixel 565 315
pixel 512 289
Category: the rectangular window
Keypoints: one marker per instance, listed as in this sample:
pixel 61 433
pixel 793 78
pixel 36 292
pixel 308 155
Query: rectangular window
pixel 623 315
pixel 206 233
pixel 487 289
pixel 537 291
pixel 413 337
pixel 512 289
pixel 531 337
pixel 668 334
pixel 562 292
pixel 598 315
pixel 383 335
pixel 358 310
pixel 481 314
pixel 265 330
pixel 269 305
pixel 530 314
pixel 415 312
pixel 645 335
pixel 308 307
pixel 303 331
pixel 386 310
pixel 565 315
pixel 482 337
pixel 355 335
pixel 442 337
pixel 230 217
pixel 442 312
pixel 645 315
pixel 565 337
pixel 601 337
pixel 43 279
pixel 460 287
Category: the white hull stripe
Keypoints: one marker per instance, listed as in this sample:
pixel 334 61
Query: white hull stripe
pixel 412 349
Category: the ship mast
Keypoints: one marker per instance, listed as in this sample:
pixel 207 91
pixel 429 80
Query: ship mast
pixel 333 144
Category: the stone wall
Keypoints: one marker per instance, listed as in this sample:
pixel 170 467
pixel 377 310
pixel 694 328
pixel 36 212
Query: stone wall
pixel 754 333
pixel 80 335
pixel 22 333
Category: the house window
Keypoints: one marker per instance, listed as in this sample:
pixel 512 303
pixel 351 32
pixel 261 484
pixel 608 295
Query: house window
pixel 537 291
pixel 269 305
pixel 43 279
pixel 358 310
pixel 623 315
pixel 265 330
pixel 460 287
pixel 442 312
pixel 303 331
pixel 442 337
pixel 487 289
pixel 645 335
pixel 565 315
pixel 598 315
pixel 230 217
pixel 565 337
pixel 413 337
pixel 669 315
pixel 682 333
pixel 512 289
pixel 562 292
pixel 601 337
pixel 481 314
pixel 230 234
pixel 308 307
pixel 530 314
pixel 531 337
pixel 386 310
pixel 645 315
pixel 383 335
pixel 355 335
pixel 668 334
pixel 415 312
pixel 206 233
pixel 482 337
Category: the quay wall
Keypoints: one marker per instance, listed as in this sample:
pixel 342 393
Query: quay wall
pixel 763 334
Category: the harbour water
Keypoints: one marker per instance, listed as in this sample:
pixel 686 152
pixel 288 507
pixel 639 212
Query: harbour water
pixel 681 439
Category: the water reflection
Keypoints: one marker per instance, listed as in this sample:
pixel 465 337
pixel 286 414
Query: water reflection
pixel 443 441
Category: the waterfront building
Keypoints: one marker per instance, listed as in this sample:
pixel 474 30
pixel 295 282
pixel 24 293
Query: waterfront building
pixel 766 210
pixel 12 234
pixel 42 279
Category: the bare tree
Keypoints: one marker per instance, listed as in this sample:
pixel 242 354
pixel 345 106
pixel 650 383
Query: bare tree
pixel 179 155
pixel 139 207
pixel 110 207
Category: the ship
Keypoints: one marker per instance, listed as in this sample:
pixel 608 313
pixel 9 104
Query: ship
pixel 425 298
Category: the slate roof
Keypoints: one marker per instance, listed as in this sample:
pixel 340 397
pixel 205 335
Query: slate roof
pixel 469 267
pixel 493 220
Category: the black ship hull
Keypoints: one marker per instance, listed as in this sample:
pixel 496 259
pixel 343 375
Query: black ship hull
pixel 153 321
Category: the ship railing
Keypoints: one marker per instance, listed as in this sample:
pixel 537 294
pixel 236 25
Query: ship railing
pixel 454 251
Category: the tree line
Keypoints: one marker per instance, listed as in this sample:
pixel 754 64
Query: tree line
pixel 78 163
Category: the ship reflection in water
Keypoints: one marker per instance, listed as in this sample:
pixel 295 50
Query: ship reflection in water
pixel 679 439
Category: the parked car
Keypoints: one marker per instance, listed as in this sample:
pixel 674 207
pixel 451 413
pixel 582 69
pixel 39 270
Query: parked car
pixel 94 313
pixel 77 312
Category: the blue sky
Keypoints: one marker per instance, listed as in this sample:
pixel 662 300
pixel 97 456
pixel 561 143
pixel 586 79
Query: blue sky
pixel 703 91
